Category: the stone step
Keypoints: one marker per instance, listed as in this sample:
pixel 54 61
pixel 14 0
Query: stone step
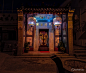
pixel 79 51
pixel 65 54
pixel 82 57
pixel 80 54
pixel 79 48
pixel 36 54
pixel 31 56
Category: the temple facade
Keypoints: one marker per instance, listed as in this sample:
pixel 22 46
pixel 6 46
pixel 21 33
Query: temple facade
pixel 45 28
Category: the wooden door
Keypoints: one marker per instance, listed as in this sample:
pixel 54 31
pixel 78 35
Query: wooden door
pixel 43 40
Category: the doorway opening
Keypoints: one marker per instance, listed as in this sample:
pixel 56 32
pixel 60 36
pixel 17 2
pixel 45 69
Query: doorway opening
pixel 43 39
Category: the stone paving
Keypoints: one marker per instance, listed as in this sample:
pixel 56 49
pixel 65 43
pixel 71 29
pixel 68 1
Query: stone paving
pixel 10 64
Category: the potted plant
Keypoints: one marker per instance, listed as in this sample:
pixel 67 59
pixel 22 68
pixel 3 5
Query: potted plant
pixel 61 46
pixel 26 46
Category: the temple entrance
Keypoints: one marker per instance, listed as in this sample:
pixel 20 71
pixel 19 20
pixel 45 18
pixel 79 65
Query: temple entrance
pixel 43 40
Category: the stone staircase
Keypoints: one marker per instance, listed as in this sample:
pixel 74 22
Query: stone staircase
pixel 80 52
pixel 71 62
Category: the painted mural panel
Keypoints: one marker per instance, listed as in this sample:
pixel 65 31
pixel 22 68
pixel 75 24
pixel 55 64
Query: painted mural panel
pixel 57 40
pixel 31 21
pixel 58 30
pixel 29 30
pixel 29 39
pixel 47 17
pixel 57 21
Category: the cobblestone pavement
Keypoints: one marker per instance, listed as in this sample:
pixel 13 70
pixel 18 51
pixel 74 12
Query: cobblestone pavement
pixel 27 65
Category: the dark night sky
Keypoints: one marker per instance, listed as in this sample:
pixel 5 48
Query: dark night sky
pixel 17 3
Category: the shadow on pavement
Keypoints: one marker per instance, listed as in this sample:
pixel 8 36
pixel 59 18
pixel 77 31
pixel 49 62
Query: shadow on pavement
pixel 59 64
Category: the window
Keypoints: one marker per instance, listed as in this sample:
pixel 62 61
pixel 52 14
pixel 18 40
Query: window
pixel 12 35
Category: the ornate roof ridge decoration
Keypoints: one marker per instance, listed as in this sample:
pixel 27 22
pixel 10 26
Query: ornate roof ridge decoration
pixel 44 9
pixel 71 10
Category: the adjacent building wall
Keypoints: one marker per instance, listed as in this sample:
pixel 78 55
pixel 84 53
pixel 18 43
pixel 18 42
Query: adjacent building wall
pixel 80 16
pixel 8 23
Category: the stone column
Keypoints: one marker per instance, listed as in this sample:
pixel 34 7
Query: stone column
pixel 36 40
pixel 51 40
pixel 20 32
pixel 70 31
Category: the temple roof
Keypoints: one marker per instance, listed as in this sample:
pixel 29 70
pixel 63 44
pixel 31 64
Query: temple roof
pixel 48 9
pixel 44 8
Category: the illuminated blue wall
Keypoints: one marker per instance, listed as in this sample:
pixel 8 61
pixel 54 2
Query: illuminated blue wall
pixel 44 17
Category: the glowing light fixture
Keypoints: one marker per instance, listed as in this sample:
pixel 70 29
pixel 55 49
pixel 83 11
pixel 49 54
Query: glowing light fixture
pixel 57 21
pixel 31 21
pixel 49 23
pixel 37 24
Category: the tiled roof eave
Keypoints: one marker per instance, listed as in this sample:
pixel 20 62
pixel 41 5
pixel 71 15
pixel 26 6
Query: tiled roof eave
pixel 45 9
